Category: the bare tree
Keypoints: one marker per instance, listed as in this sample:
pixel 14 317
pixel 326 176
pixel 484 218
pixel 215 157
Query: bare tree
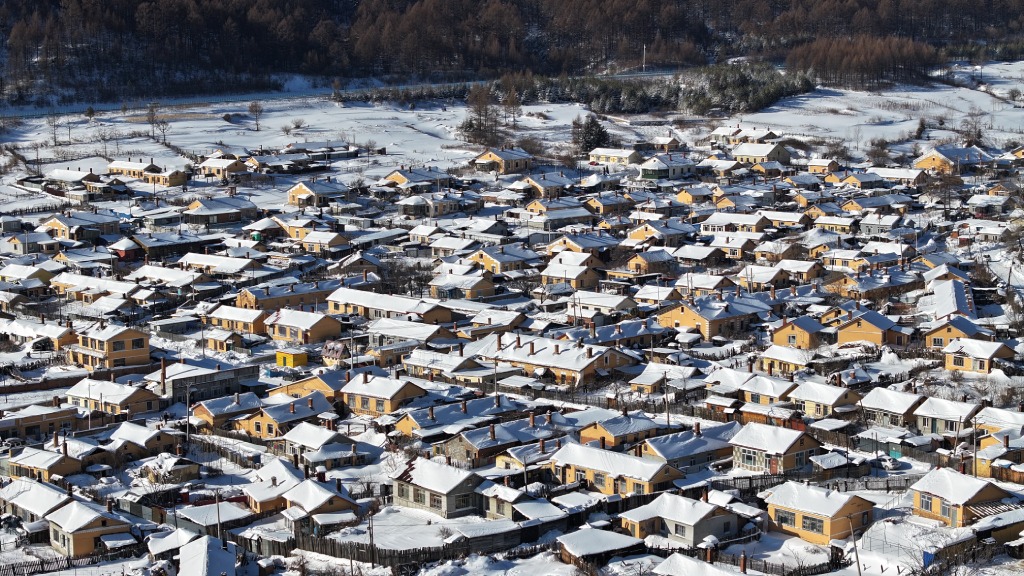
pixel 53 121
pixel 152 117
pixel 162 125
pixel 256 111
pixel 298 123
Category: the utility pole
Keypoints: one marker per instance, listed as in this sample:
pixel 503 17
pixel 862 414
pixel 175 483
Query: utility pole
pixel 853 537
pixel 373 549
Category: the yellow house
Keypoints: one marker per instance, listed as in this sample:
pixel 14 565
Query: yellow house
pixel 969 355
pixel 102 346
pixel 273 480
pixel 237 319
pixel 320 496
pixel 375 395
pixel 822 166
pixel 327 382
pixel 42 465
pixel 751 153
pixel 823 400
pixel 713 316
pixel 611 472
pixel 619 432
pixel 815 514
pixel 567 363
pixel 292 357
pixel 298 327
pixel 277 419
pixel 80 528
pixel 953 328
pixel 113 398
pixel 771 449
pixel 803 333
pixel 504 161
pixel 953 498
pixel 874 328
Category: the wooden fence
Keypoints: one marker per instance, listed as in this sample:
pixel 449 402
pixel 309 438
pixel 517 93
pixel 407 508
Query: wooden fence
pixel 69 563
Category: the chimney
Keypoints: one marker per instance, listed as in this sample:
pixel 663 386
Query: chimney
pixel 499 340
pixel 558 348
pixel 719 295
pixel 292 407
pixel 462 349
pixel 704 494
pixel 602 443
pixel 110 505
pixel 310 400
pixel 491 431
pixel 55 443
pixel 321 474
pixel 743 562
pixel 696 428
pixel 849 315
pixel 64 448
pixel 771 291
pixel 497 401
pixel 163 374
pixel 1006 441
pixel 519 341
pixel 533 422
pixel 465 408
pixel 337 485
pixel 430 411
pixel 238 398
pixel 56 401
pixel 531 349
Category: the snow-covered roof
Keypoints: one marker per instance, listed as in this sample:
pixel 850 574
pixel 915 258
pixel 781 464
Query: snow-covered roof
pixel 946 409
pixel 612 463
pixel 205 556
pixel 77 515
pixel 436 477
pixel 974 348
pixel 311 436
pixel 819 393
pixel 590 541
pixel 890 400
pixel 951 485
pixel 207 514
pixel 809 499
pixel 38 498
pixel 770 439
pixel 672 507
pixel 310 494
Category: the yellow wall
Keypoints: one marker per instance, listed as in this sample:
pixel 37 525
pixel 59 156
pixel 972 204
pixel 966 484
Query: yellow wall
pixel 835 528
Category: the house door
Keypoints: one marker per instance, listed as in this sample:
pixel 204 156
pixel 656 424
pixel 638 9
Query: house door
pixel 935 425
pixel 773 465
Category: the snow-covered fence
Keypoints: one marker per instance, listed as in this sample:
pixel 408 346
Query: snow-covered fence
pixel 68 563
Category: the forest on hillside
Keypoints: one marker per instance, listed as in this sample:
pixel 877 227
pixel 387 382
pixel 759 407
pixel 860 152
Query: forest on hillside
pixel 111 50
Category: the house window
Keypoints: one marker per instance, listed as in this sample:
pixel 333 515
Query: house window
pixel 270 428
pixel 435 501
pixel 581 475
pixel 816 525
pixel 118 345
pixel 755 398
pixel 403 491
pixel 138 343
pixel 599 480
pixel 958 361
pixel 418 496
pixel 785 518
pixel 981 364
pixel 944 508
pixel 364 403
pixel 257 427
pixel 639 489
pixel 499 507
pixel 463 501
pixel 937 342
pixel 380 405
pixel 727 527
pixel 926 502
pixel 792 340
pixel 681 530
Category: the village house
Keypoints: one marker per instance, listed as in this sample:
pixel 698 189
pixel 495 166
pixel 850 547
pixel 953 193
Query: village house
pixel 620 156
pixel 444 490
pixel 503 161
pixel 681 520
pixel 621 432
pixel 948 418
pixel 102 346
pixel 890 408
pixel 955 499
pixel 815 514
pixel 978 356
pixel 772 449
pixel 281 413
pixel 566 363
pixel 692 450
pixel 376 395
pixel 82 528
pixel 298 327
pixel 825 401
pixel 113 398
pixel 611 472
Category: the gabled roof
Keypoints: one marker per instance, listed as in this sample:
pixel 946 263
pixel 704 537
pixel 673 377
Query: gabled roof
pixel 612 463
pixel 974 348
pixel 952 486
pixel 765 438
pixel 436 477
pixel 890 400
pixel 672 507
pixel 809 499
